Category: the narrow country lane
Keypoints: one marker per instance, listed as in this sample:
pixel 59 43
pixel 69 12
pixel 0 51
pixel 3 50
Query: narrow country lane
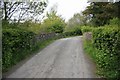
pixel 64 58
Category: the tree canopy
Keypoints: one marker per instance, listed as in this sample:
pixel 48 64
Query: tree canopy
pixel 77 20
pixel 54 23
pixel 23 10
pixel 101 12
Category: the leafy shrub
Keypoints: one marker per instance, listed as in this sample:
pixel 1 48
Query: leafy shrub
pixel 115 21
pixel 86 29
pixel 73 31
pixel 15 46
pixel 53 23
pixel 107 40
pixel 105 49
pixel 30 26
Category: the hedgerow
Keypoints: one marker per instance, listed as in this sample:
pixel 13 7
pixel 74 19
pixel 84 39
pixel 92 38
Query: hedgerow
pixel 108 40
pixel 86 29
pixel 16 45
pixel 105 50
pixel 72 31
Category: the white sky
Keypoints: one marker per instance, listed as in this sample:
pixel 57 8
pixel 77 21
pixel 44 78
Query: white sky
pixel 67 8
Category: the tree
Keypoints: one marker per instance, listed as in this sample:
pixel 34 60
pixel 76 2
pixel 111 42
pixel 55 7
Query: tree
pixel 101 12
pixel 53 23
pixel 77 20
pixel 23 9
pixel 118 8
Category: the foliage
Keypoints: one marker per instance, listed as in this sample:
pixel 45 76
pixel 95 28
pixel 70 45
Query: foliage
pixel 86 29
pixel 108 40
pixel 77 20
pixel 53 23
pixel 105 49
pixel 101 12
pixel 115 21
pixel 23 9
pixel 16 45
pixel 30 26
pixel 19 43
pixel 75 25
pixel 72 31
pixel 18 38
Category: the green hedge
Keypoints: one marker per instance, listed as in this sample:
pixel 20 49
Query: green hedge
pixel 16 45
pixel 107 40
pixel 86 29
pixel 74 32
pixel 104 49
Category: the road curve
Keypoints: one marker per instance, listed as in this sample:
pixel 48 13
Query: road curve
pixel 64 58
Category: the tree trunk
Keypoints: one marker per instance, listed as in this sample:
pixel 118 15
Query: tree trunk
pixel 5 9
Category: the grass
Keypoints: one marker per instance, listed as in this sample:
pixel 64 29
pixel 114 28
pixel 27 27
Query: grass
pixel 92 52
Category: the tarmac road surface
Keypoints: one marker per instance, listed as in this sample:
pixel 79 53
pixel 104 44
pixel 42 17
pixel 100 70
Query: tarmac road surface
pixel 64 58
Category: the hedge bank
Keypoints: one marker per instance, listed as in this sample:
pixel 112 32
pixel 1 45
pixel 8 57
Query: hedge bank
pixel 105 50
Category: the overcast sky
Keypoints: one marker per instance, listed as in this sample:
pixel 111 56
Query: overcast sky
pixel 67 8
